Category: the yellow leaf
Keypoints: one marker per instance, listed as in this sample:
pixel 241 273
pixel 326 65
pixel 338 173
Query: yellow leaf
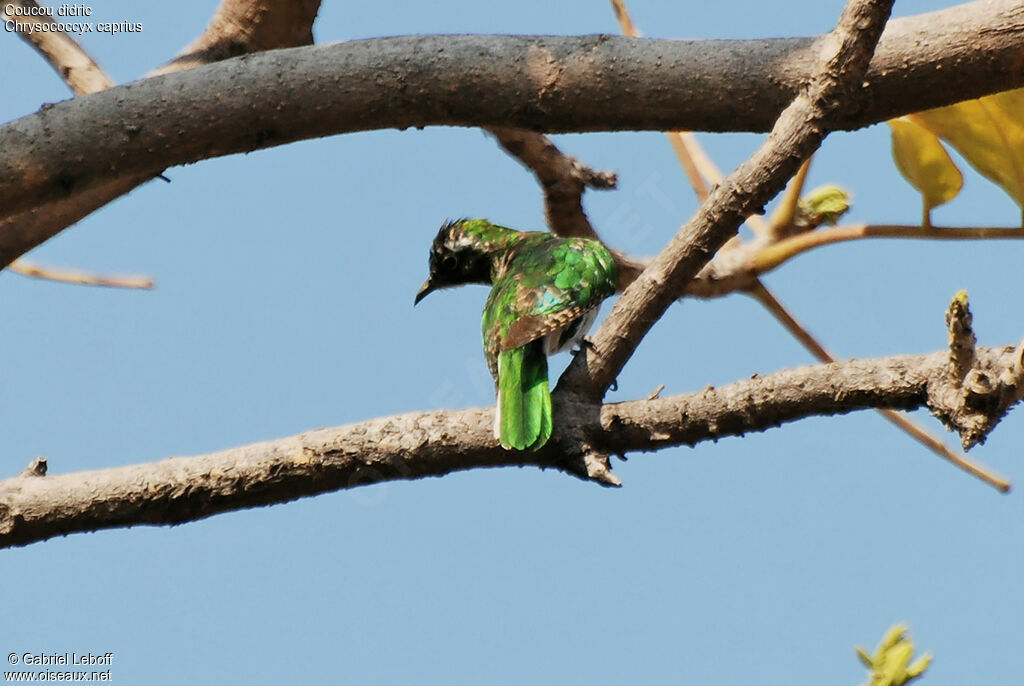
pixel 918 668
pixel 893 636
pixel 897 658
pixel 890 665
pixel 989 133
pixel 924 162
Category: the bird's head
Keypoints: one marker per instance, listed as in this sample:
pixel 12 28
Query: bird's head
pixel 462 253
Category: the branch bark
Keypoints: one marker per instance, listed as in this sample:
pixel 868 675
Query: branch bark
pixel 260 101
pixel 550 83
pixel 798 132
pixel 238 26
pixel 562 179
pixel 34 507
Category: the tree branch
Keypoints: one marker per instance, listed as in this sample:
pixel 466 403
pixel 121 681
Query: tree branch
pixel 901 421
pixel 240 27
pixel 766 258
pixel 411 446
pixel 74 66
pixel 795 136
pixel 23 231
pixel 562 179
pixel 281 96
pixel 79 277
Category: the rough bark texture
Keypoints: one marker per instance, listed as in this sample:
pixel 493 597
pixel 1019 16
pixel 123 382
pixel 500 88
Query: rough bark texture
pixel 835 88
pixel 51 172
pixel 549 83
pixel 410 446
pixel 241 27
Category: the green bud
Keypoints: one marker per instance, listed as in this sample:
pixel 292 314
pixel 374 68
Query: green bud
pixel 824 205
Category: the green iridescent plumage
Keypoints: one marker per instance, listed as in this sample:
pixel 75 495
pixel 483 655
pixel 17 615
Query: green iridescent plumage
pixel 545 292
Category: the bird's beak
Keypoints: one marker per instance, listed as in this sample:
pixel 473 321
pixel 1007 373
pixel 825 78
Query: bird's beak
pixel 426 289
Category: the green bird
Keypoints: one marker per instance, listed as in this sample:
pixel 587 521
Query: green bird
pixel 545 294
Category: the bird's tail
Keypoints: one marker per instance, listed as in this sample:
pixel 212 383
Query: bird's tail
pixel 523 419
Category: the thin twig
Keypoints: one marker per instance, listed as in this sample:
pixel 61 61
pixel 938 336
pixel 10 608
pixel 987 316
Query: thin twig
pixel 697 165
pixel 783 216
pixel 682 142
pixel 775 254
pixel 77 277
pixel 625 21
pixel 713 174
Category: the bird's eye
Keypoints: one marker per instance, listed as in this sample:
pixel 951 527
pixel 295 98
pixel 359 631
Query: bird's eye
pixel 449 262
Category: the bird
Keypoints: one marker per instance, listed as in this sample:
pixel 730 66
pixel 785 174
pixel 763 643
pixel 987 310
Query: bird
pixel 545 295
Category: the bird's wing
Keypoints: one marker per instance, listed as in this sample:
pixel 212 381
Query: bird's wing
pixel 547 288
pixel 530 327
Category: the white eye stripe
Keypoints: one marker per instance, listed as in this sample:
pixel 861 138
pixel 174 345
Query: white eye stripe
pixel 459 242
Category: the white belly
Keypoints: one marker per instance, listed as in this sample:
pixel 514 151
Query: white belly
pixel 552 340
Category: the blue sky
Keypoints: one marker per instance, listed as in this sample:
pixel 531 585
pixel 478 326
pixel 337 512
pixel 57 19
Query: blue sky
pixel 284 303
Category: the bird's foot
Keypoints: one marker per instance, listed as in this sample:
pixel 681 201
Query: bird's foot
pixel 585 344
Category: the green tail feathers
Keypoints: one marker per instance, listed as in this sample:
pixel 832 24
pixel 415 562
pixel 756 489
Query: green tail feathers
pixel 524 399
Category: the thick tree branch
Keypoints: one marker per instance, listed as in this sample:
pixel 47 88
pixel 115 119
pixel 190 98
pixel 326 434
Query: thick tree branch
pixel 550 83
pixel 410 446
pixel 798 132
